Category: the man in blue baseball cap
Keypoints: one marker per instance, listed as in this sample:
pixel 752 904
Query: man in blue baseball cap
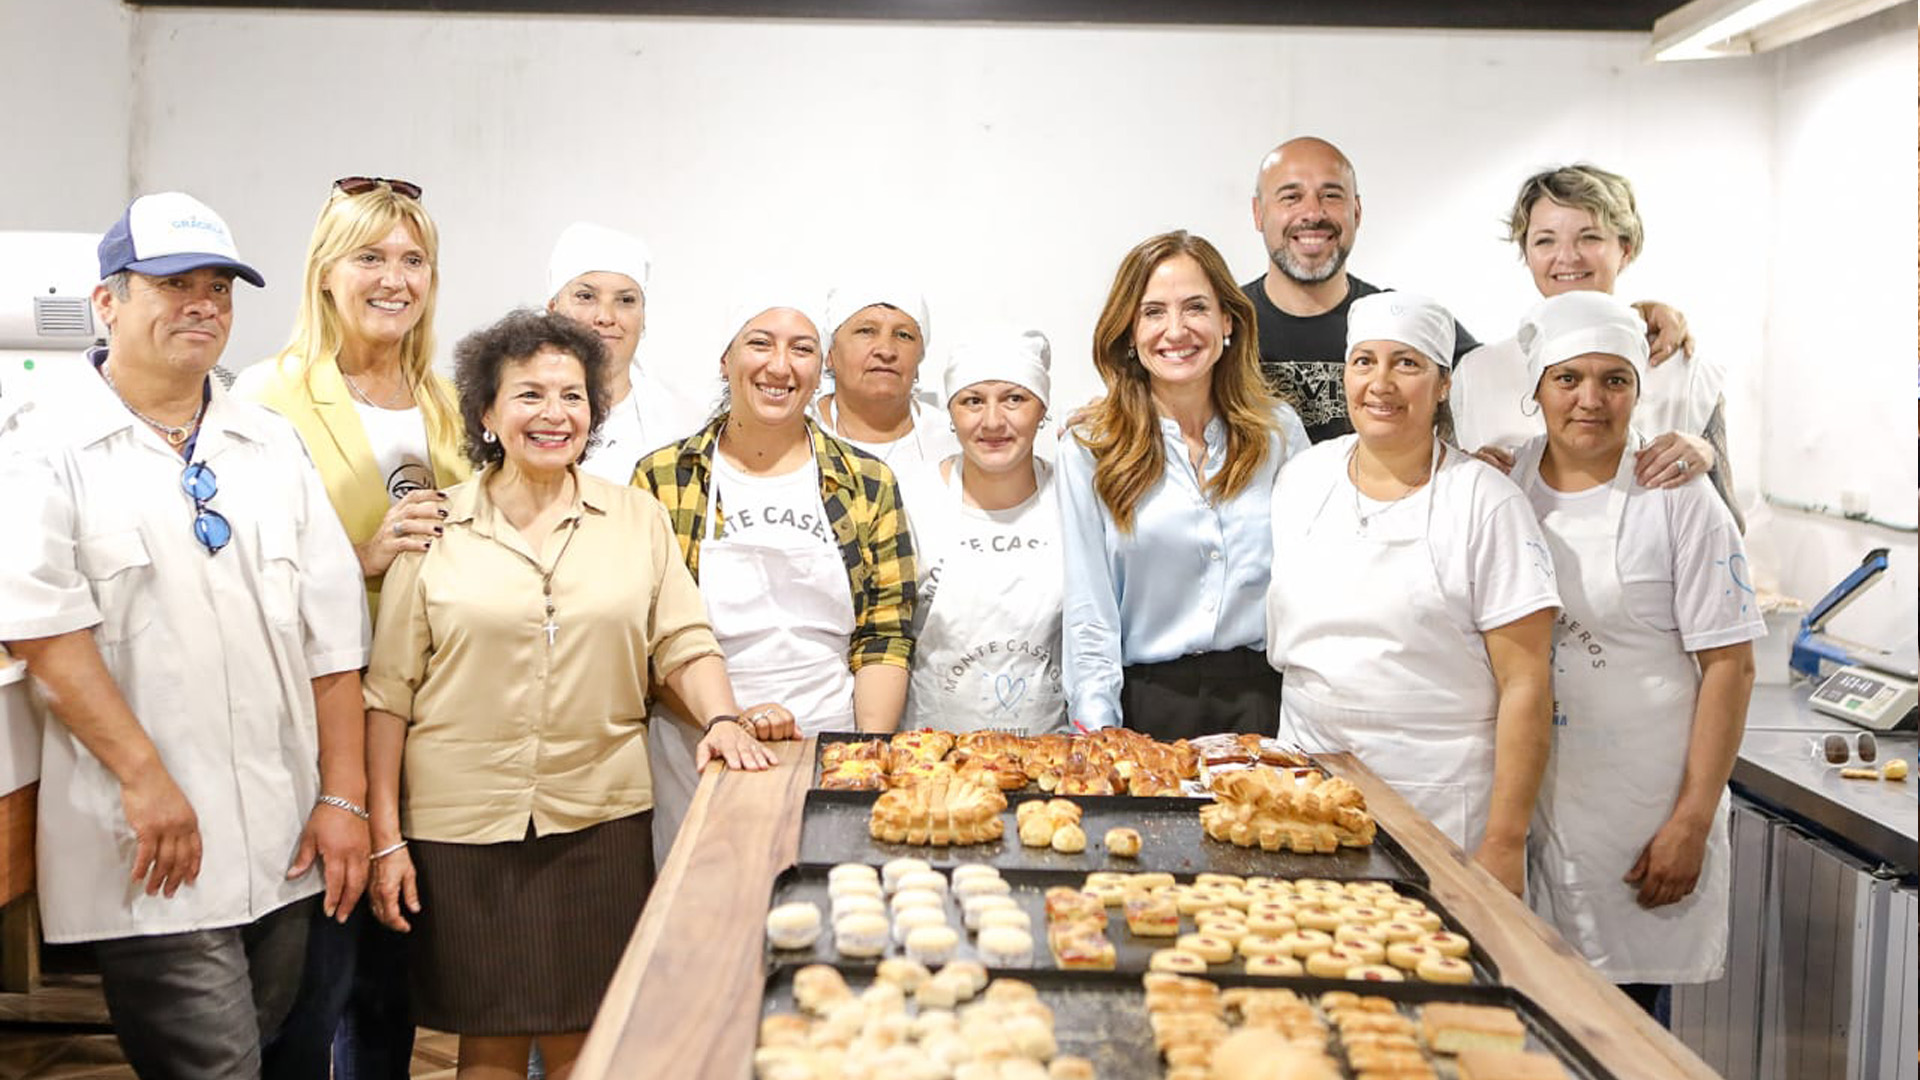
pixel 191 610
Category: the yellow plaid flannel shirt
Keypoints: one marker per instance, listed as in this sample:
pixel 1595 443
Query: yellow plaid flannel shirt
pixel 863 508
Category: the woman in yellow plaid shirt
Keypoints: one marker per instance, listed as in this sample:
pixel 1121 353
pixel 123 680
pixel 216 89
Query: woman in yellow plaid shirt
pixel 800 546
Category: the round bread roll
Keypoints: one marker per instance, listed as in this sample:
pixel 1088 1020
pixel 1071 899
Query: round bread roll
pixel 1399 930
pixel 1123 842
pixel 1005 946
pixel 1368 932
pixel 1012 917
pixel 906 922
pixel 1069 839
pixel 1225 929
pixel 1376 973
pixel 932 944
pixel 1444 969
pixel 1111 893
pixel 1363 950
pixel 847 905
pixel 1363 913
pixel 1271 923
pixel 1303 942
pixel 969 871
pixel 850 871
pixel 1274 965
pixel 1408 955
pixel 793 926
pixel 1036 830
pixel 913 898
pixel 1261 945
pixel 1446 944
pixel 977 906
pixel 1214 950
pixel 1424 919
pixel 892 872
pixel 1176 960
pixel 932 881
pixel 860 935
pixel 980 885
pixel 1329 963
pixel 853 886
pixel 973 975
pixel 1318 918
pixel 903 973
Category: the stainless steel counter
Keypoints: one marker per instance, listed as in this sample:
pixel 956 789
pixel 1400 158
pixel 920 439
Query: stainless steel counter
pixel 1776 768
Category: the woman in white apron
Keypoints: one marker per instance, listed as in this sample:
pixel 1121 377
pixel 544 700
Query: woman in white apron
pixel 799 545
pixel 987 619
pixel 1653 667
pixel 1412 597
pixel 1578 228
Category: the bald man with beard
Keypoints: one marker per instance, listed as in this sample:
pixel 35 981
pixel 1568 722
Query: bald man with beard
pixel 1306 204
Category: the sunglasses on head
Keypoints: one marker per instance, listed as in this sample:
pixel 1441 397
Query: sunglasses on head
pixel 210 527
pixel 360 185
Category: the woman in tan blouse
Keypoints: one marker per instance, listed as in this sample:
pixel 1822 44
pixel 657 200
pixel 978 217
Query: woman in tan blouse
pixel 507 699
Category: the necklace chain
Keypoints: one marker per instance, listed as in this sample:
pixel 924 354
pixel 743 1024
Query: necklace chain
pixel 551 626
pixel 399 403
pixel 1353 474
pixel 176 436
pixel 892 445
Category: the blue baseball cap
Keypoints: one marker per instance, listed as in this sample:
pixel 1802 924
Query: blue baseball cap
pixel 169 233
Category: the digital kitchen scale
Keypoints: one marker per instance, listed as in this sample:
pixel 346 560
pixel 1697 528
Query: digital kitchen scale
pixel 1862 685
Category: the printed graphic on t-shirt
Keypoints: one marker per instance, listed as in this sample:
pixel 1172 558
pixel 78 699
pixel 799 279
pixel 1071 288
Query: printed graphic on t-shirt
pixel 811 522
pixel 1001 674
pixel 409 477
pixel 1317 390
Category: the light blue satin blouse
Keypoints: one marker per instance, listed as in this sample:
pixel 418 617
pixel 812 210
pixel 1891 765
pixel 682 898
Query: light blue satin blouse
pixel 1191 577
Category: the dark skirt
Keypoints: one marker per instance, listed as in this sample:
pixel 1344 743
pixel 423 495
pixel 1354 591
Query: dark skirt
pixel 1232 690
pixel 521 938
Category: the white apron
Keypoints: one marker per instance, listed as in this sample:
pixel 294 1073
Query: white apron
pixel 987 649
pixel 784 620
pixel 1374 662
pixel 1623 713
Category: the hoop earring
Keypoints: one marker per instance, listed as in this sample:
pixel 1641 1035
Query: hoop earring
pixel 486 436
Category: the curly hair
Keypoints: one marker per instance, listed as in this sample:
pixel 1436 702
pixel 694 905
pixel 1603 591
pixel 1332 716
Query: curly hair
pixel 482 355
pixel 1123 428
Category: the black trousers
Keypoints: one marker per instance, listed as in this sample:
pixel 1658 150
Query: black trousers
pixel 1201 694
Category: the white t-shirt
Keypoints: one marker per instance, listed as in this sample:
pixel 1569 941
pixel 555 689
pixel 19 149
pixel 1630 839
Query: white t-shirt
pixel 1493 403
pixel 647 419
pixel 930 442
pixel 398 438
pixel 783 512
pixel 1681 561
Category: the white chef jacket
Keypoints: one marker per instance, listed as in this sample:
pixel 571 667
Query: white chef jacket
pixel 1493 403
pixel 214 654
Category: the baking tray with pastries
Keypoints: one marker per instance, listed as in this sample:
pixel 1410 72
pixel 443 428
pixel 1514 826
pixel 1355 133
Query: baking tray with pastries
pixel 1108 832
pixel 1112 761
pixel 1363 931
pixel 908 1021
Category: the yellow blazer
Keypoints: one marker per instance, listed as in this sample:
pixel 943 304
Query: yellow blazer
pixel 320 407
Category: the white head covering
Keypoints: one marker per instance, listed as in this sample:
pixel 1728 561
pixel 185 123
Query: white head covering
pixel 585 248
pixel 1408 318
pixel 1573 324
pixel 766 297
pixel 1022 357
pixel 847 299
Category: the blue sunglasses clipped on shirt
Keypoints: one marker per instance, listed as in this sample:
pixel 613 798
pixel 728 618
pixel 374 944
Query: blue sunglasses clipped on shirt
pixel 209 526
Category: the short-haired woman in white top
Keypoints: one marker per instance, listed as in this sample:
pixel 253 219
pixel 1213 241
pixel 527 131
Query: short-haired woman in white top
pixel 1412 597
pixel 987 531
pixel 1653 666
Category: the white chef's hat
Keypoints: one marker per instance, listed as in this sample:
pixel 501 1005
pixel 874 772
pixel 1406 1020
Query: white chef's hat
pixel 766 297
pixel 848 298
pixel 1574 324
pixel 1022 357
pixel 586 248
pixel 1408 318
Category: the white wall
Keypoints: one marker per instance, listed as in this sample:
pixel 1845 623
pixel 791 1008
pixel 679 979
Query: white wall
pixel 1011 166
pixel 66 79
pixel 1840 346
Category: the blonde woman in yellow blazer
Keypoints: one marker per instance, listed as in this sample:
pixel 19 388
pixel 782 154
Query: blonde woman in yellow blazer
pixel 357 381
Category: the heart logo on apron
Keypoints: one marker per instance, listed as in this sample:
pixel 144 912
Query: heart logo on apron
pixel 1009 691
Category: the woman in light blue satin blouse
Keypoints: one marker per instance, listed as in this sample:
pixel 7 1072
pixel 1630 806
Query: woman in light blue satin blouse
pixel 1164 491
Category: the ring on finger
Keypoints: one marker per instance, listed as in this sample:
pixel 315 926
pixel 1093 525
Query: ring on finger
pixel 399 528
pixel 1681 465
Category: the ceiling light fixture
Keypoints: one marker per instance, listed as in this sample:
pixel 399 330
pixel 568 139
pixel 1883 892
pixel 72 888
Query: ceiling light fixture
pixel 1709 29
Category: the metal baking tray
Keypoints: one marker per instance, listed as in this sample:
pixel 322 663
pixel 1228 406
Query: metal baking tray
pixel 833 829
pixel 1102 1016
pixel 1029 888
